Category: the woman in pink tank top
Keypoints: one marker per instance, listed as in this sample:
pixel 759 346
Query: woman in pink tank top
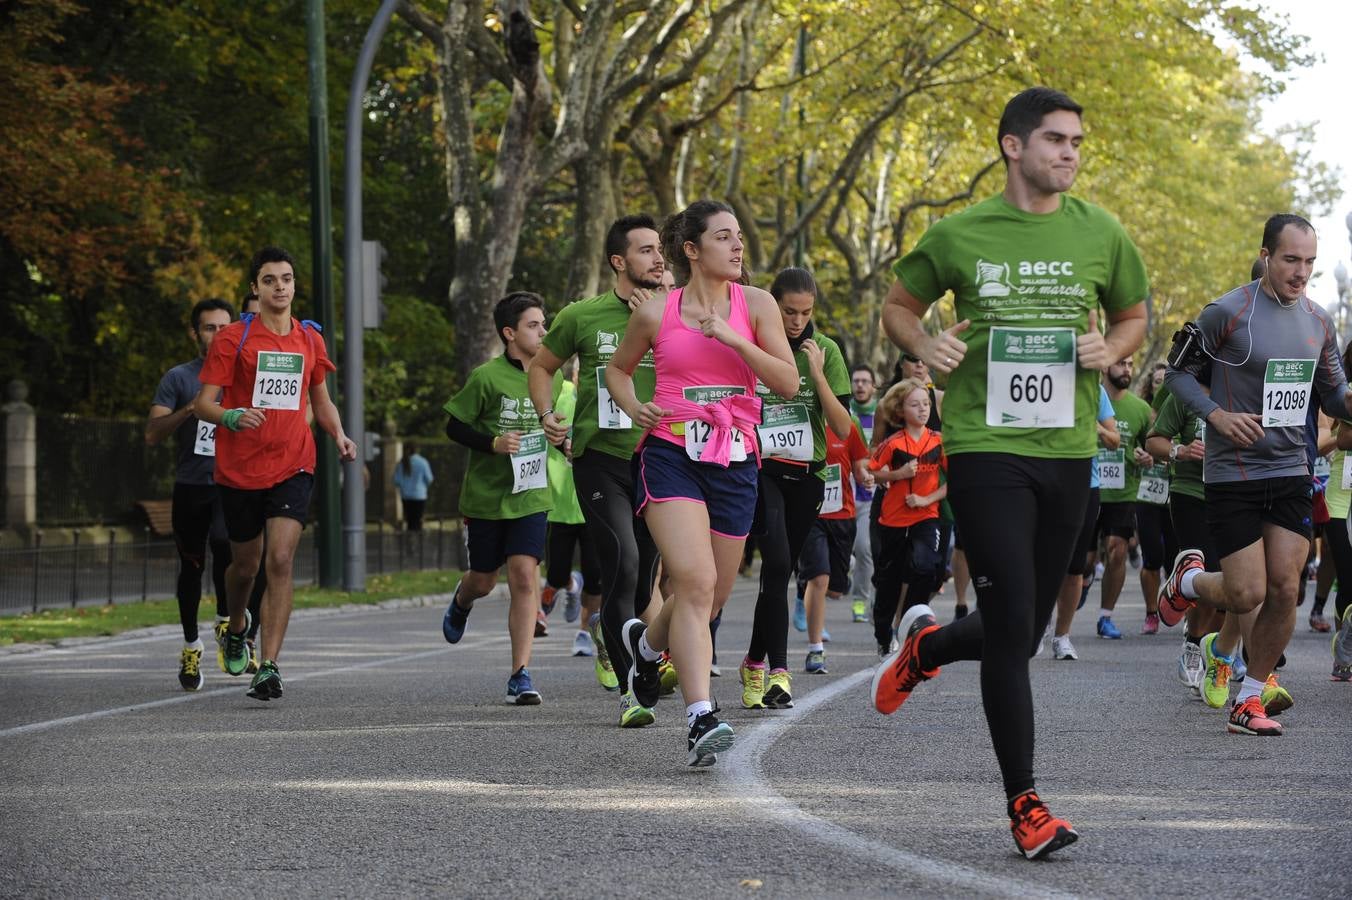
pixel 695 470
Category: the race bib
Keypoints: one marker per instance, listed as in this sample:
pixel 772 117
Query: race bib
pixel 278 382
pixel 1112 466
pixel 786 432
pixel 609 416
pixel 697 431
pixel 1286 392
pixel 1154 486
pixel 1347 472
pixel 528 463
pixel 833 498
pixel 204 443
pixel 1030 378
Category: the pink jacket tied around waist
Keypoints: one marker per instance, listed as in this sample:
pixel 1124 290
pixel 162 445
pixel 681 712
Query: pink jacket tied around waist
pixel 734 411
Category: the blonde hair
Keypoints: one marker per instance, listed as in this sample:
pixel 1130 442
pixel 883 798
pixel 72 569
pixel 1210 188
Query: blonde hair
pixel 896 396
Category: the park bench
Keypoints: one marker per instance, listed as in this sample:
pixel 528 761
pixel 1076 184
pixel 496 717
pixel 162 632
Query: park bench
pixel 159 516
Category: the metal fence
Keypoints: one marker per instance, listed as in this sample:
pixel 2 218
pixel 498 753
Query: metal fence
pixel 92 471
pixel 90 573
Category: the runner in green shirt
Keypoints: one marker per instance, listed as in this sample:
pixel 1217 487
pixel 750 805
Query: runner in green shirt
pixel 1029 271
pixel 604 438
pixel 1119 482
pixel 505 494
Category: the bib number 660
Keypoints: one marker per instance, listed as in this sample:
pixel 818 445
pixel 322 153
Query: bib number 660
pixel 1031 389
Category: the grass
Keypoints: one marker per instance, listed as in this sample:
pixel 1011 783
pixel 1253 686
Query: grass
pixel 90 621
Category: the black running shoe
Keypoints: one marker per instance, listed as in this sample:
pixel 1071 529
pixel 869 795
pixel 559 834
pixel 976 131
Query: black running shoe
pixel 708 737
pixel 267 684
pixel 645 680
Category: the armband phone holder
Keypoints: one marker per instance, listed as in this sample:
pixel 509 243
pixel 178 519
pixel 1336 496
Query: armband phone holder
pixel 1188 355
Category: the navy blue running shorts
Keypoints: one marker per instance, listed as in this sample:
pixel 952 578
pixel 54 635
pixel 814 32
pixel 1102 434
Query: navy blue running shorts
pixel 663 472
pixel 491 541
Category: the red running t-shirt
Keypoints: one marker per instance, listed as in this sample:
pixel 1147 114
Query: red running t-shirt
pixel 259 458
pixel 844 454
pixel 897 451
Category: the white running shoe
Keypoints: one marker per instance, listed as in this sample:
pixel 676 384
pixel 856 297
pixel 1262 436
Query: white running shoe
pixel 1190 666
pixel 583 645
pixel 1062 648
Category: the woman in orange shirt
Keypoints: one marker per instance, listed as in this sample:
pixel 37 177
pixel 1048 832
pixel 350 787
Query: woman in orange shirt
pixel 910 550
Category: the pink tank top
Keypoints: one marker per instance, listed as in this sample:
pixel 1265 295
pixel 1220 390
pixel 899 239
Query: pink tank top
pixel 690 364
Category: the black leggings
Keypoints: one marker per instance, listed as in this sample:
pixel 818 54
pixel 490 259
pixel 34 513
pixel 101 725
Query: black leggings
pixel 1335 532
pixel 198 520
pixel 624 548
pixel 1155 532
pixel 565 539
pixel 1019 518
pixel 785 510
pixel 911 558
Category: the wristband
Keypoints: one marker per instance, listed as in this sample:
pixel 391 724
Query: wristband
pixel 230 419
pixel 542 415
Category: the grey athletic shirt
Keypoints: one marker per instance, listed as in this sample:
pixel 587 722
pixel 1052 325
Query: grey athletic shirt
pixel 1263 352
pixel 177 389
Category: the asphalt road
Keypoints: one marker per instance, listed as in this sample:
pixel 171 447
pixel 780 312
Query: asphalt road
pixel 393 767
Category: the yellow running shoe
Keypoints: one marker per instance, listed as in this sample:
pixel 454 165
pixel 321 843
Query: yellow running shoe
pixel 1276 699
pixel 601 664
pixel 753 684
pixel 632 715
pixel 222 625
pixel 666 671
pixel 190 667
pixel 777 693
pixel 252 667
pixel 1217 670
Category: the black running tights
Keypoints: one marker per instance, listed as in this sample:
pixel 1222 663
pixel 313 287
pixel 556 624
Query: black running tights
pixel 785 512
pixel 197 520
pixel 1335 532
pixel 1019 517
pixel 566 543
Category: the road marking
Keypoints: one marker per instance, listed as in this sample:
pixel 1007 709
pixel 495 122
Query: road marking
pixel 49 724
pixel 741 771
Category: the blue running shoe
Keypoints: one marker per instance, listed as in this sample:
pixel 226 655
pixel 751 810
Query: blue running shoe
pixel 520 692
pixel 453 623
pixel 799 614
pixel 1106 629
pixel 826 636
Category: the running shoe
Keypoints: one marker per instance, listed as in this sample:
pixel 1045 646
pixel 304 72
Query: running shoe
pixel 1036 831
pixel 520 691
pixel 715 670
pixel 1342 649
pixel 1106 629
pixel 858 611
pixel 252 667
pixel 1151 624
pixel 816 662
pixel 644 679
pixel 1341 672
pixel 1190 667
pixel 454 621
pixel 190 667
pixel 1241 667
pixel 898 674
pixel 632 714
pixel 799 613
pixel 582 644
pixel 1216 673
pixel 777 690
pixel 708 737
pixel 548 597
pixel 267 684
pixel 1134 556
pixel 1062 648
pixel 1173 605
pixel 959 611
pixel 826 636
pixel 752 675
pixel 236 649
pixel 666 674
pixel 601 664
pixel 1276 699
pixel 219 629
pixel 541 624
pixel 572 604
pixel 1320 624
pixel 1249 717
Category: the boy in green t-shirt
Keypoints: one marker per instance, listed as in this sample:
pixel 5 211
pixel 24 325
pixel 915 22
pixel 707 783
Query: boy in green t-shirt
pixel 505 495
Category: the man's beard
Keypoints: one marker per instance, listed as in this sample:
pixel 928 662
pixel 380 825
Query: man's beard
pixel 1122 382
pixel 648 284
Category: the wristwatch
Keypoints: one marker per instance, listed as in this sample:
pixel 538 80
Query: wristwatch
pixel 542 415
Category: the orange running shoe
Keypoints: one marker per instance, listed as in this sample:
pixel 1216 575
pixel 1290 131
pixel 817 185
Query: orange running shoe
pixel 1250 717
pixel 1036 831
pixel 898 674
pixel 1172 604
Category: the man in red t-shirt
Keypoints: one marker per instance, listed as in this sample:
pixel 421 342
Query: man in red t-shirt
pixel 265 370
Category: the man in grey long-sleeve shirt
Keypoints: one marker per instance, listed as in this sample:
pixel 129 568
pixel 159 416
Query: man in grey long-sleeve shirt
pixel 1270 348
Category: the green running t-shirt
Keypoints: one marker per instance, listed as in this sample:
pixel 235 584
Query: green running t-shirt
pixel 496 400
pixel 1030 275
pixel 1181 427
pixel 1133 420
pixel 785 423
pixel 566 510
pixel 592 329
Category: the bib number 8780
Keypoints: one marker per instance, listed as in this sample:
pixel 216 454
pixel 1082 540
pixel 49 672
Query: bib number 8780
pixel 530 467
pixel 1031 389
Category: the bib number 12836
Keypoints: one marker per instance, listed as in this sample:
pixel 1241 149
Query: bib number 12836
pixel 1030 378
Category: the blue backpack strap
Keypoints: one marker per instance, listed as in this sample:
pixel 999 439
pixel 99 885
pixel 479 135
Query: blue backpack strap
pixel 248 320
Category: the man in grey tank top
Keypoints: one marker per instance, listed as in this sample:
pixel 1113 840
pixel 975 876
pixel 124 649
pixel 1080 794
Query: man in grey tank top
pixel 1269 352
